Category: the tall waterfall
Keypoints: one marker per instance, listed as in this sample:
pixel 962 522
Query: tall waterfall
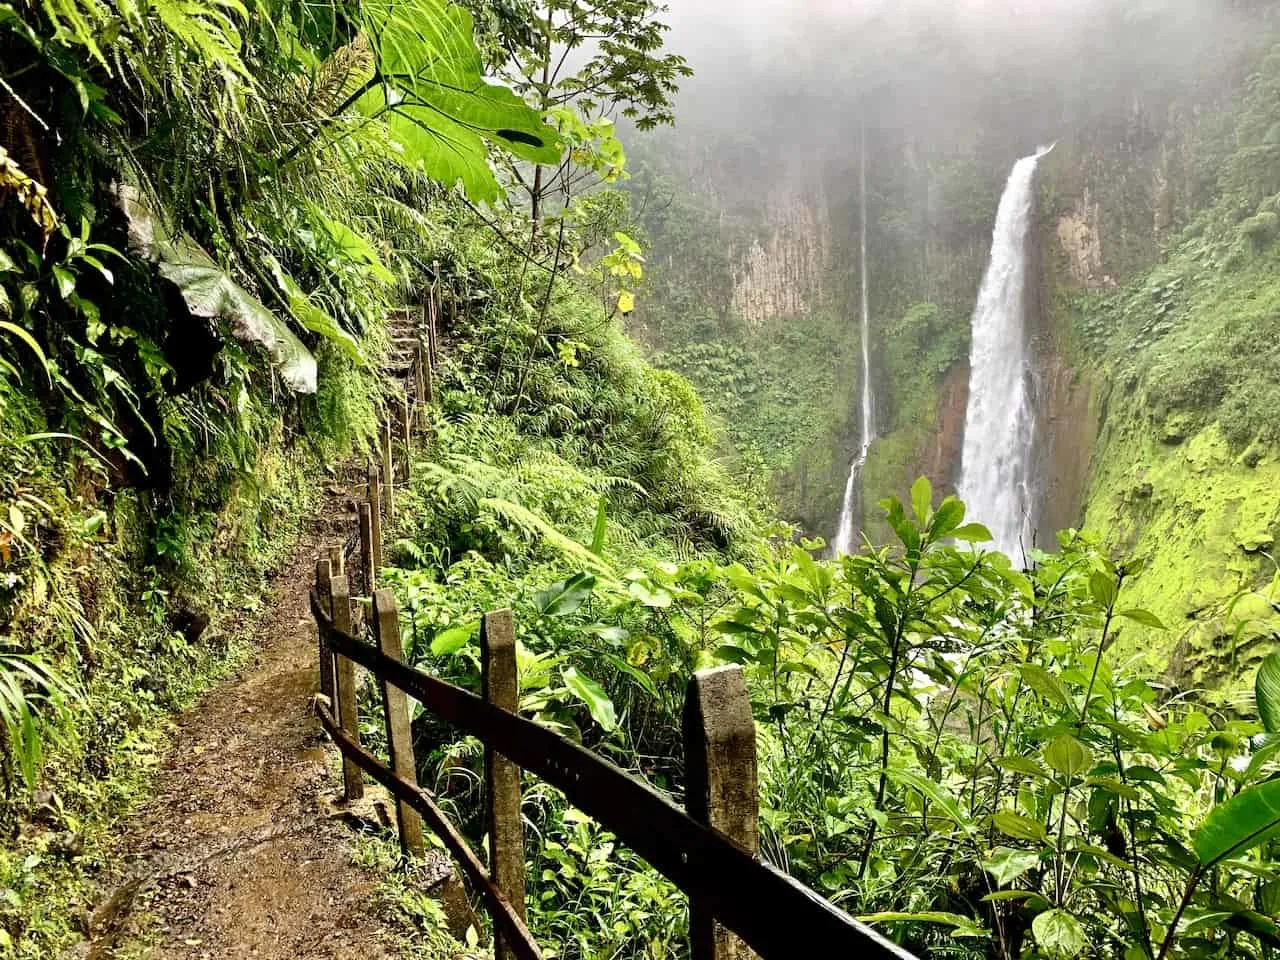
pixel 995 466
pixel 843 543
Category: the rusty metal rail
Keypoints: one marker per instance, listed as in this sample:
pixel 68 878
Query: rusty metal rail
pixel 774 914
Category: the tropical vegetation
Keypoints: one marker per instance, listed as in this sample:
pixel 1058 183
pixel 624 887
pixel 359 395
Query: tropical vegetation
pixel 210 210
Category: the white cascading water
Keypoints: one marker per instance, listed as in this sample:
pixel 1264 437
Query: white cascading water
pixel 843 543
pixel 995 474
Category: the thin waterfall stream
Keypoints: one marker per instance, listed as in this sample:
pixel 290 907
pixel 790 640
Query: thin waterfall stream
pixel 999 433
pixel 843 543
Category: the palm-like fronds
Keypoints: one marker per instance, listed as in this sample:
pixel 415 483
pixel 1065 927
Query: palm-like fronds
pixel 206 29
pixel 27 684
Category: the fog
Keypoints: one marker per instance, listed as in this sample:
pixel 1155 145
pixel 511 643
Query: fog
pixel 937 66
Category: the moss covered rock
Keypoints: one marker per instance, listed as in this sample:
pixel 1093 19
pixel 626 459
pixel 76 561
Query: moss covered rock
pixel 1203 542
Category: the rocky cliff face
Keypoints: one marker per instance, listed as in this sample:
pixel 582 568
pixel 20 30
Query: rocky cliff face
pixel 1079 236
pixel 780 270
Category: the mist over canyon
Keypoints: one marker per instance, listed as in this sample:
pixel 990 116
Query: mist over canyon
pixel 755 204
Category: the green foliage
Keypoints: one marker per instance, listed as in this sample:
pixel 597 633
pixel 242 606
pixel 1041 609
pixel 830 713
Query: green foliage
pixel 1188 422
pixel 28 688
pixel 1195 334
pixel 919 348
pixel 631 74
pixel 1267 692
pixel 198 220
pixel 586 877
pixel 942 741
pixel 428 85
pixel 772 399
pixel 973 753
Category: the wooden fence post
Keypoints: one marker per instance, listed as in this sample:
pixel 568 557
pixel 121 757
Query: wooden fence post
pixel 433 318
pixel 501 687
pixel 337 563
pixel 722 790
pixel 375 516
pixel 368 569
pixel 388 472
pixel 348 711
pixel 395 706
pixel 424 387
pixel 406 439
pixel 323 591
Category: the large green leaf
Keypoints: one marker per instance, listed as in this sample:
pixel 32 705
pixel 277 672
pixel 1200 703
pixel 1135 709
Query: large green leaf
pixel 963 926
pixel 934 792
pixel 1017 826
pixel 921 499
pixel 351 245
pixel 1067 755
pixel 972 533
pixel 210 293
pixel 310 316
pixel 651 596
pixel 448 642
pixel 1059 935
pixel 1104 588
pixel 592 694
pixel 1258 924
pixel 564 597
pixel 1267 689
pixel 1248 819
pixel 1007 864
pixel 1044 683
pixel 947 519
pixel 438 104
pixel 1144 617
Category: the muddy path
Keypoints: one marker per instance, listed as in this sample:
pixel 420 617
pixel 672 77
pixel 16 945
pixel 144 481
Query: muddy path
pixel 243 852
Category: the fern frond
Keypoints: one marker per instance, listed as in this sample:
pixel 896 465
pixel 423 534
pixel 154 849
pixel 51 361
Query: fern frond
pixel 532 524
pixel 78 22
pixel 341 76
pixel 207 29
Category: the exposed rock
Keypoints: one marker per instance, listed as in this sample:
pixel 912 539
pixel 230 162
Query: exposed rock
pixel 1081 241
pixel 940 461
pixel 780 273
pixel 1066 432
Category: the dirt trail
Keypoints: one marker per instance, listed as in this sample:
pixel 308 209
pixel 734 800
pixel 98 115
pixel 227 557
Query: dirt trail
pixel 240 854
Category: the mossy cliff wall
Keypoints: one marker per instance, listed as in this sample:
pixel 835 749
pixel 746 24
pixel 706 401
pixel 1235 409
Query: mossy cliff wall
pixel 749 295
pixel 1162 275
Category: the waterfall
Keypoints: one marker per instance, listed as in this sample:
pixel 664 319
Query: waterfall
pixel 843 543
pixel 995 466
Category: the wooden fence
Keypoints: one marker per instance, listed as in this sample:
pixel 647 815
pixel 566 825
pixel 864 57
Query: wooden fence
pixel 740 906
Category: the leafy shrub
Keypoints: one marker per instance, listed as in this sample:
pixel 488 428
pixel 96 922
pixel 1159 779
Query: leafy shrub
pixel 945 749
pixel 1261 228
